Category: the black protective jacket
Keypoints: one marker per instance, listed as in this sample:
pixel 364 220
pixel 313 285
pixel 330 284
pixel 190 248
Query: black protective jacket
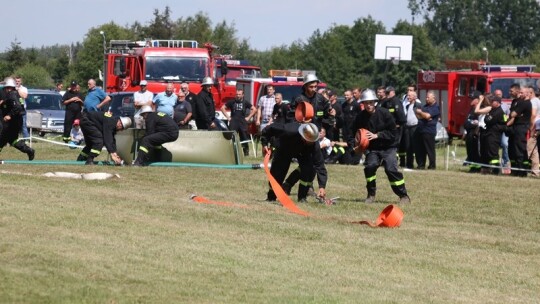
pixel 395 107
pixel 292 144
pixel 206 109
pixel 380 122
pixel 159 122
pixel 321 108
pixel 11 105
pixel 100 124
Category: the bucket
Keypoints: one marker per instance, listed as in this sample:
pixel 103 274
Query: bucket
pixel 391 216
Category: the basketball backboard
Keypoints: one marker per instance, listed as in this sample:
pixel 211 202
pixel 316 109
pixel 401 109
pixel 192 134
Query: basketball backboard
pixel 393 47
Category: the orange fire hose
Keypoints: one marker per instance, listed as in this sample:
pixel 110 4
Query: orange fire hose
pixel 391 216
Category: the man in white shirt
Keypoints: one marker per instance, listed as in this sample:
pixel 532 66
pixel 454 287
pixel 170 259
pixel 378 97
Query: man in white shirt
pixel 532 144
pixel 141 98
pixel 265 106
pixel 23 93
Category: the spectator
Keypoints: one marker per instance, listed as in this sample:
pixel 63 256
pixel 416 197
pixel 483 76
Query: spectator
pixel 382 135
pixel 165 101
pixel 519 123
pixel 428 116
pixel 192 99
pixel 407 144
pixel 395 107
pixel 12 113
pixel 265 108
pixel 472 135
pixel 280 110
pixel 182 111
pixel 73 102
pixel 59 87
pixel 356 93
pixel 381 94
pixel 23 94
pixel 141 98
pixel 504 138
pixel 241 112
pixel 96 99
pixel 76 135
pixel 160 129
pixel 532 148
pixel 99 129
pixel 490 135
pixel 338 117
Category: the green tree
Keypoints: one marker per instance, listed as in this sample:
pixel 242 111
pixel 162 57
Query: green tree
pixel 161 27
pixel 15 57
pixel 198 28
pixel 35 76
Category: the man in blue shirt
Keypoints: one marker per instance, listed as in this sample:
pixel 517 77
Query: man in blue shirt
pixel 426 131
pixel 96 98
pixel 165 101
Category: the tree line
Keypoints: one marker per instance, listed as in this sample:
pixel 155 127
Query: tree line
pixel 342 55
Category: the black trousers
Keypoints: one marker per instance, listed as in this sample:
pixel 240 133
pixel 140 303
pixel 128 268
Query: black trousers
pixel 280 166
pixel 387 158
pixel 517 149
pixel 406 147
pixel 425 146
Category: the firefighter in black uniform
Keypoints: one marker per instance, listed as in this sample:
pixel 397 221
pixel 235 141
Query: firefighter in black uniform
pixel 73 101
pixel 205 109
pixel 472 136
pixel 490 136
pixel 12 111
pixel 519 122
pixel 298 141
pixel 324 113
pixel 99 129
pixel 383 143
pixel 160 129
pixel 395 107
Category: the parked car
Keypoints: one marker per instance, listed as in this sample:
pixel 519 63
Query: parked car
pixel 49 104
pixel 121 104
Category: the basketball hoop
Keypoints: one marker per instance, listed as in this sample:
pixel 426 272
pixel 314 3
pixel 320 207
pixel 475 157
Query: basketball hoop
pixel 395 60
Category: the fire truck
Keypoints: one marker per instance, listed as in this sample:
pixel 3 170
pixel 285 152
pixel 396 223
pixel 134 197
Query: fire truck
pixel 287 82
pixel 454 88
pixel 160 62
pixel 236 69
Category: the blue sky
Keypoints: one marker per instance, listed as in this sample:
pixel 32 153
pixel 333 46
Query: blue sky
pixel 263 23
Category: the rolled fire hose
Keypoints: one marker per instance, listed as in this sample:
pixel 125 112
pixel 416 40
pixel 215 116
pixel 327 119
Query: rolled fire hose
pixel 391 216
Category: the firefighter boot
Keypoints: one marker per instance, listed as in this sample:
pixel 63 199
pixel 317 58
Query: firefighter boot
pixel 142 157
pixel 89 161
pixel 21 146
pixel 82 157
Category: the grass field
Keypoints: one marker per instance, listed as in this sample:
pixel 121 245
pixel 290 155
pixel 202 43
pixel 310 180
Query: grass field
pixel 140 239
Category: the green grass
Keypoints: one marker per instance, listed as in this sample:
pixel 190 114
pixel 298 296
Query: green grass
pixel 464 239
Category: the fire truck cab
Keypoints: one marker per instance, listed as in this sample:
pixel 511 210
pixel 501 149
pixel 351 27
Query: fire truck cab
pixel 160 62
pixel 454 89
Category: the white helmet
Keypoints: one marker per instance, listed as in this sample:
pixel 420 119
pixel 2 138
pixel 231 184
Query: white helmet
pixel 368 94
pixel 310 78
pixel 10 82
pixel 146 109
pixel 126 122
pixel 309 132
pixel 207 81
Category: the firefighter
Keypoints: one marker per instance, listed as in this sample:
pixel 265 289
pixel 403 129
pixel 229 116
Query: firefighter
pixel 472 133
pixel 490 136
pixel 99 129
pixel 296 140
pixel 519 122
pixel 383 142
pixel 12 120
pixel 324 113
pixel 160 129
pixel 206 109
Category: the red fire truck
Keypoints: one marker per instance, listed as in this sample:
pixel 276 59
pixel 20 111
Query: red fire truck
pixel 160 62
pixel 454 88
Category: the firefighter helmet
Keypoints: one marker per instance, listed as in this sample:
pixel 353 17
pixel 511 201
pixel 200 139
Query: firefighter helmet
pixel 368 95
pixel 309 132
pixel 304 112
pixel 207 81
pixel 146 109
pixel 10 82
pixel 126 122
pixel 310 78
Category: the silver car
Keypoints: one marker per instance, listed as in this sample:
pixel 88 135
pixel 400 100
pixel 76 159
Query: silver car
pixel 49 104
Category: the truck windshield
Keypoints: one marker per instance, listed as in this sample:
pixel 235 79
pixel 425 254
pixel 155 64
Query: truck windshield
pixel 504 84
pixel 176 68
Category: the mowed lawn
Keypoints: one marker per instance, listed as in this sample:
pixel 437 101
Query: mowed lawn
pixel 139 238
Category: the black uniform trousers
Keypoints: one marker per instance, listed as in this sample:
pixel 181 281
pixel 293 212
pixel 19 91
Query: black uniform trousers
pixel 157 139
pixel 376 158
pixel 425 145
pixel 517 149
pixel 489 149
pixel 236 124
pixel 69 118
pixel 280 166
pixel 93 139
pixel 406 147
pixel 472 143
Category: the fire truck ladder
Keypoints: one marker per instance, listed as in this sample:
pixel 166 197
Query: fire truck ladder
pixel 124 46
